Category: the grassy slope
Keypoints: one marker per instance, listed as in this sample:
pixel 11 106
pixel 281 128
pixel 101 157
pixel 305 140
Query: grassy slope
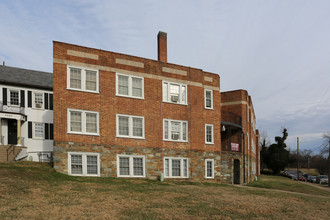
pixel 34 190
pixel 282 183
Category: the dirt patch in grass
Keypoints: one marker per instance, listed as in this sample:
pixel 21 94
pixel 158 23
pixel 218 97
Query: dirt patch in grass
pixel 31 190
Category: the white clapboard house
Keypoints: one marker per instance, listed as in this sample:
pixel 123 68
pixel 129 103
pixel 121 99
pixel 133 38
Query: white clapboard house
pixel 26 114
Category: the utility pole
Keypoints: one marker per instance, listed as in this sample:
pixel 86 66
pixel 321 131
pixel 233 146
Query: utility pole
pixel 308 164
pixel 298 158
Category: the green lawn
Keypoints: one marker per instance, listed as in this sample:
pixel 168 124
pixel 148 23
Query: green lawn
pixel 35 191
pixel 283 183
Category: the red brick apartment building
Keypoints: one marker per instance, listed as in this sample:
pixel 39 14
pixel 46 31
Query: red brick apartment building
pixel 118 115
pixel 240 148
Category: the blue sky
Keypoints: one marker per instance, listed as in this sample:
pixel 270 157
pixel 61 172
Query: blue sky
pixel 277 50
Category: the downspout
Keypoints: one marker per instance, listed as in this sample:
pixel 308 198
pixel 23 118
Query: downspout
pixel 243 157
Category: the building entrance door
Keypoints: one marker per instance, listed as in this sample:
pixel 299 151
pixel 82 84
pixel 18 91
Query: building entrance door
pixel 12 131
pixel 236 172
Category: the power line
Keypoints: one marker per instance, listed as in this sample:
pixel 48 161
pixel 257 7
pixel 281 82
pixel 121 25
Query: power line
pixel 322 145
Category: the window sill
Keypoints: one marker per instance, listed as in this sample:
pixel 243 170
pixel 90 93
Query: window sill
pixel 81 133
pixel 209 143
pixel 121 176
pixel 209 108
pixel 88 175
pixel 81 90
pixel 175 177
pixel 132 97
pixel 208 178
pixel 129 137
pixel 175 141
pixel 175 103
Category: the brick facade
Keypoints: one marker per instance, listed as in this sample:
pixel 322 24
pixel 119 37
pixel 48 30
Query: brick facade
pixel 237 109
pixel 108 104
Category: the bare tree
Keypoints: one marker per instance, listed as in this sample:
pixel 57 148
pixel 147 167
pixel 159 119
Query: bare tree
pixel 325 150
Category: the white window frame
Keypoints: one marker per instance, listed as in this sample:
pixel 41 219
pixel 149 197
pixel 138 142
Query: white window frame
pixel 130 126
pixel 209 125
pixel 9 99
pixel 170 129
pixel 130 86
pixel 83 122
pixel 168 97
pixel 34 130
pixel 84 163
pixel 83 79
pixel 181 167
pixel 131 165
pixel 34 100
pixel 208 90
pixel 212 161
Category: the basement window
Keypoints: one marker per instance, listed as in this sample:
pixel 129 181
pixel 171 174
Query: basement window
pixel 83 164
pixel 130 166
pixel 176 167
pixel 209 169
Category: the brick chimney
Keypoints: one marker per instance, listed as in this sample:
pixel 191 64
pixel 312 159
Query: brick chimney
pixel 162 46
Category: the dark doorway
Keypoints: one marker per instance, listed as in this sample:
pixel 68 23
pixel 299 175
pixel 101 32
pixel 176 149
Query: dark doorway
pixel 236 172
pixel 12 131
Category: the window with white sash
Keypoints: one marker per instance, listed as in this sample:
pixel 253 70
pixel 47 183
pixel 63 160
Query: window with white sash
pixel 38 101
pixel 14 97
pixel 130 166
pixel 208 99
pixel 83 122
pixel 130 126
pixel 209 138
pixel 38 130
pixel 176 167
pixel 83 164
pixel 175 130
pixel 174 93
pixel 209 168
pixel 82 79
pixel 129 86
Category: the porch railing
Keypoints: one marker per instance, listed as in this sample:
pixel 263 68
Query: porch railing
pixel 10 149
pixel 12 108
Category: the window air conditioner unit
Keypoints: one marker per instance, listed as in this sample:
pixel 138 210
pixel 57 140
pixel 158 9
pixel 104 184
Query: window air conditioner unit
pixel 38 105
pixel 175 98
pixel 175 136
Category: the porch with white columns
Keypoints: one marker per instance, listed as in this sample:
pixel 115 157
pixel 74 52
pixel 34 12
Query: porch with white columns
pixel 19 118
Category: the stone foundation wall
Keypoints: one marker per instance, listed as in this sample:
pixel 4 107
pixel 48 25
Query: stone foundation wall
pixel 227 166
pixel 154 159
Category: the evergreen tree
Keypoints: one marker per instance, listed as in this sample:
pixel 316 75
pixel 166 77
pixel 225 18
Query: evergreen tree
pixel 277 156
